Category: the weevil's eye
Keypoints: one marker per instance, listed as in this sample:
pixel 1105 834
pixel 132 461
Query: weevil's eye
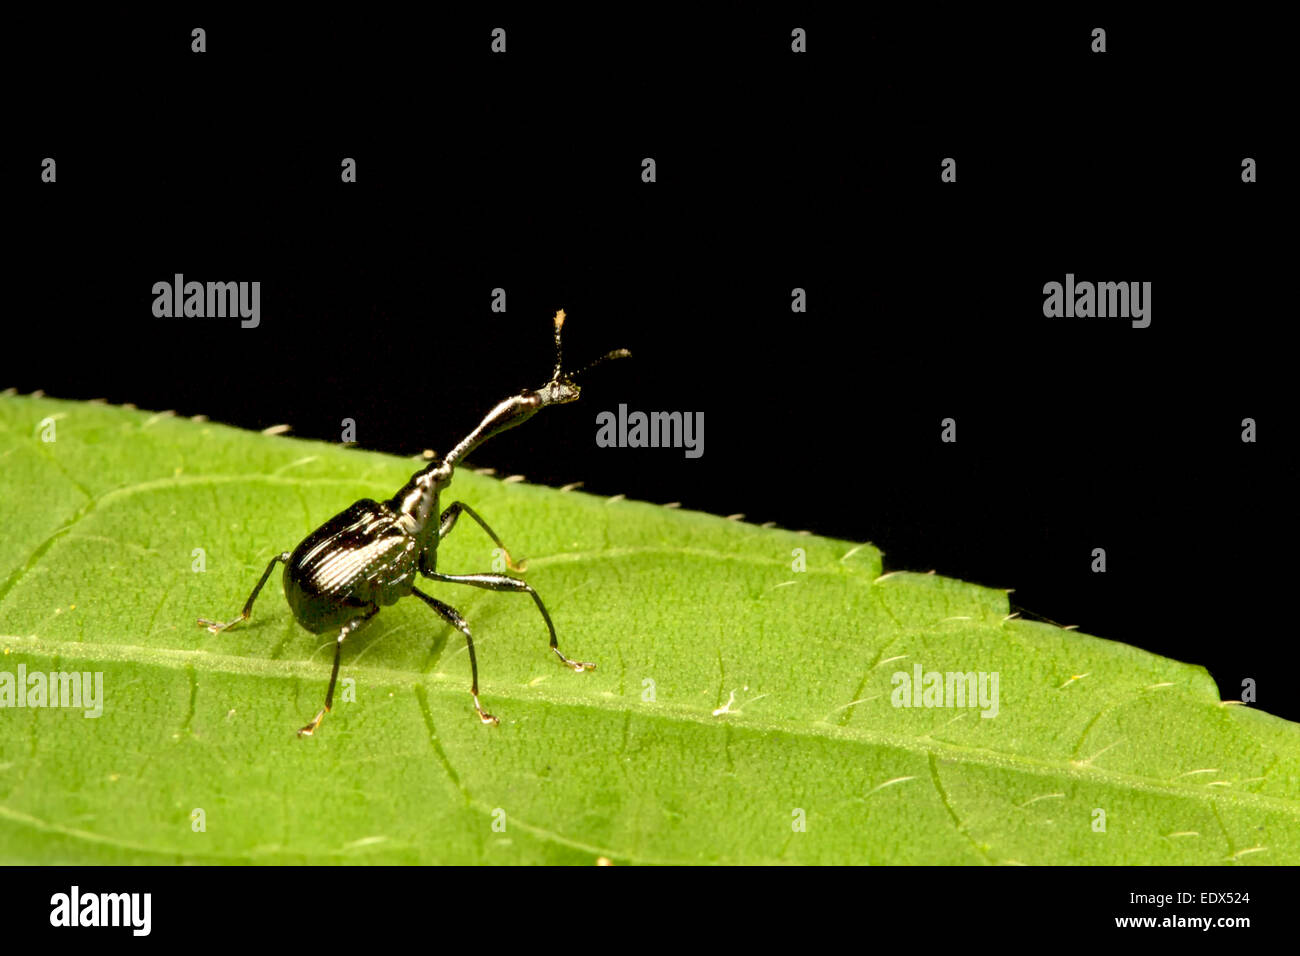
pixel 562 391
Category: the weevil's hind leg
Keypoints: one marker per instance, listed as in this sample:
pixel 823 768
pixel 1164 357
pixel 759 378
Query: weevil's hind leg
pixel 216 627
pixel 452 617
pixel 448 521
pixel 500 582
pixel 347 629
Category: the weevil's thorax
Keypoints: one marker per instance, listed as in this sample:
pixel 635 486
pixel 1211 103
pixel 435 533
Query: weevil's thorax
pixel 416 502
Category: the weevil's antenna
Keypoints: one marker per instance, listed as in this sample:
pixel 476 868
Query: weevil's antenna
pixel 555 376
pixel 616 354
pixel 559 354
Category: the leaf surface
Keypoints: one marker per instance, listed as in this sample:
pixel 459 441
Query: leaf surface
pixel 742 712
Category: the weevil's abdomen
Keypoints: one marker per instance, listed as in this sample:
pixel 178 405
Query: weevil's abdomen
pixel 358 560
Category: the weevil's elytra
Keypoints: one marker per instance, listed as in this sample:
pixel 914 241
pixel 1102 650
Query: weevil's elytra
pixel 358 561
pixel 368 556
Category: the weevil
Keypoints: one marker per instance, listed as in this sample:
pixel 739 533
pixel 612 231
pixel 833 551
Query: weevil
pixel 368 556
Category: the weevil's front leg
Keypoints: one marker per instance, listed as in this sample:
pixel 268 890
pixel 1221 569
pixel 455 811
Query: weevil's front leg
pixel 500 582
pixel 448 521
pixel 348 628
pixel 452 617
pixel 216 628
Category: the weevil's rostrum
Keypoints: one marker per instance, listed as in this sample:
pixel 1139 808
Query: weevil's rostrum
pixel 369 555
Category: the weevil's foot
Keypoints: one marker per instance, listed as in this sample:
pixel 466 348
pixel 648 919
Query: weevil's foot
pixel 518 568
pixel 578 666
pixel 217 627
pixel 483 715
pixel 311 728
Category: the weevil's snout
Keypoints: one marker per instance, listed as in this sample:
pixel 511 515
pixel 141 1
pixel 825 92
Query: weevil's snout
pixel 560 390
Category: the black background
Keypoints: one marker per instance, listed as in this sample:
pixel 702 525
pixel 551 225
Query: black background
pixel 775 171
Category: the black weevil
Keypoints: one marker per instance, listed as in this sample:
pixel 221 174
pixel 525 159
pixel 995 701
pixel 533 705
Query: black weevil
pixel 367 557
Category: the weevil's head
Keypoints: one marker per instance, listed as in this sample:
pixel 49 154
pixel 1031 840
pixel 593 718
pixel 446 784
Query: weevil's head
pixel 563 387
pixel 560 390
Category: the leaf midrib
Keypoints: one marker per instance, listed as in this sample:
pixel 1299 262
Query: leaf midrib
pixel 452 685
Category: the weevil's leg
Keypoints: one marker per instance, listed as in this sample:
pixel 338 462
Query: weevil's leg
pixel 347 629
pixel 448 521
pixel 500 582
pixel 452 617
pixel 216 627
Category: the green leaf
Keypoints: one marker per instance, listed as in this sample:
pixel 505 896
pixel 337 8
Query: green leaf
pixel 734 696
